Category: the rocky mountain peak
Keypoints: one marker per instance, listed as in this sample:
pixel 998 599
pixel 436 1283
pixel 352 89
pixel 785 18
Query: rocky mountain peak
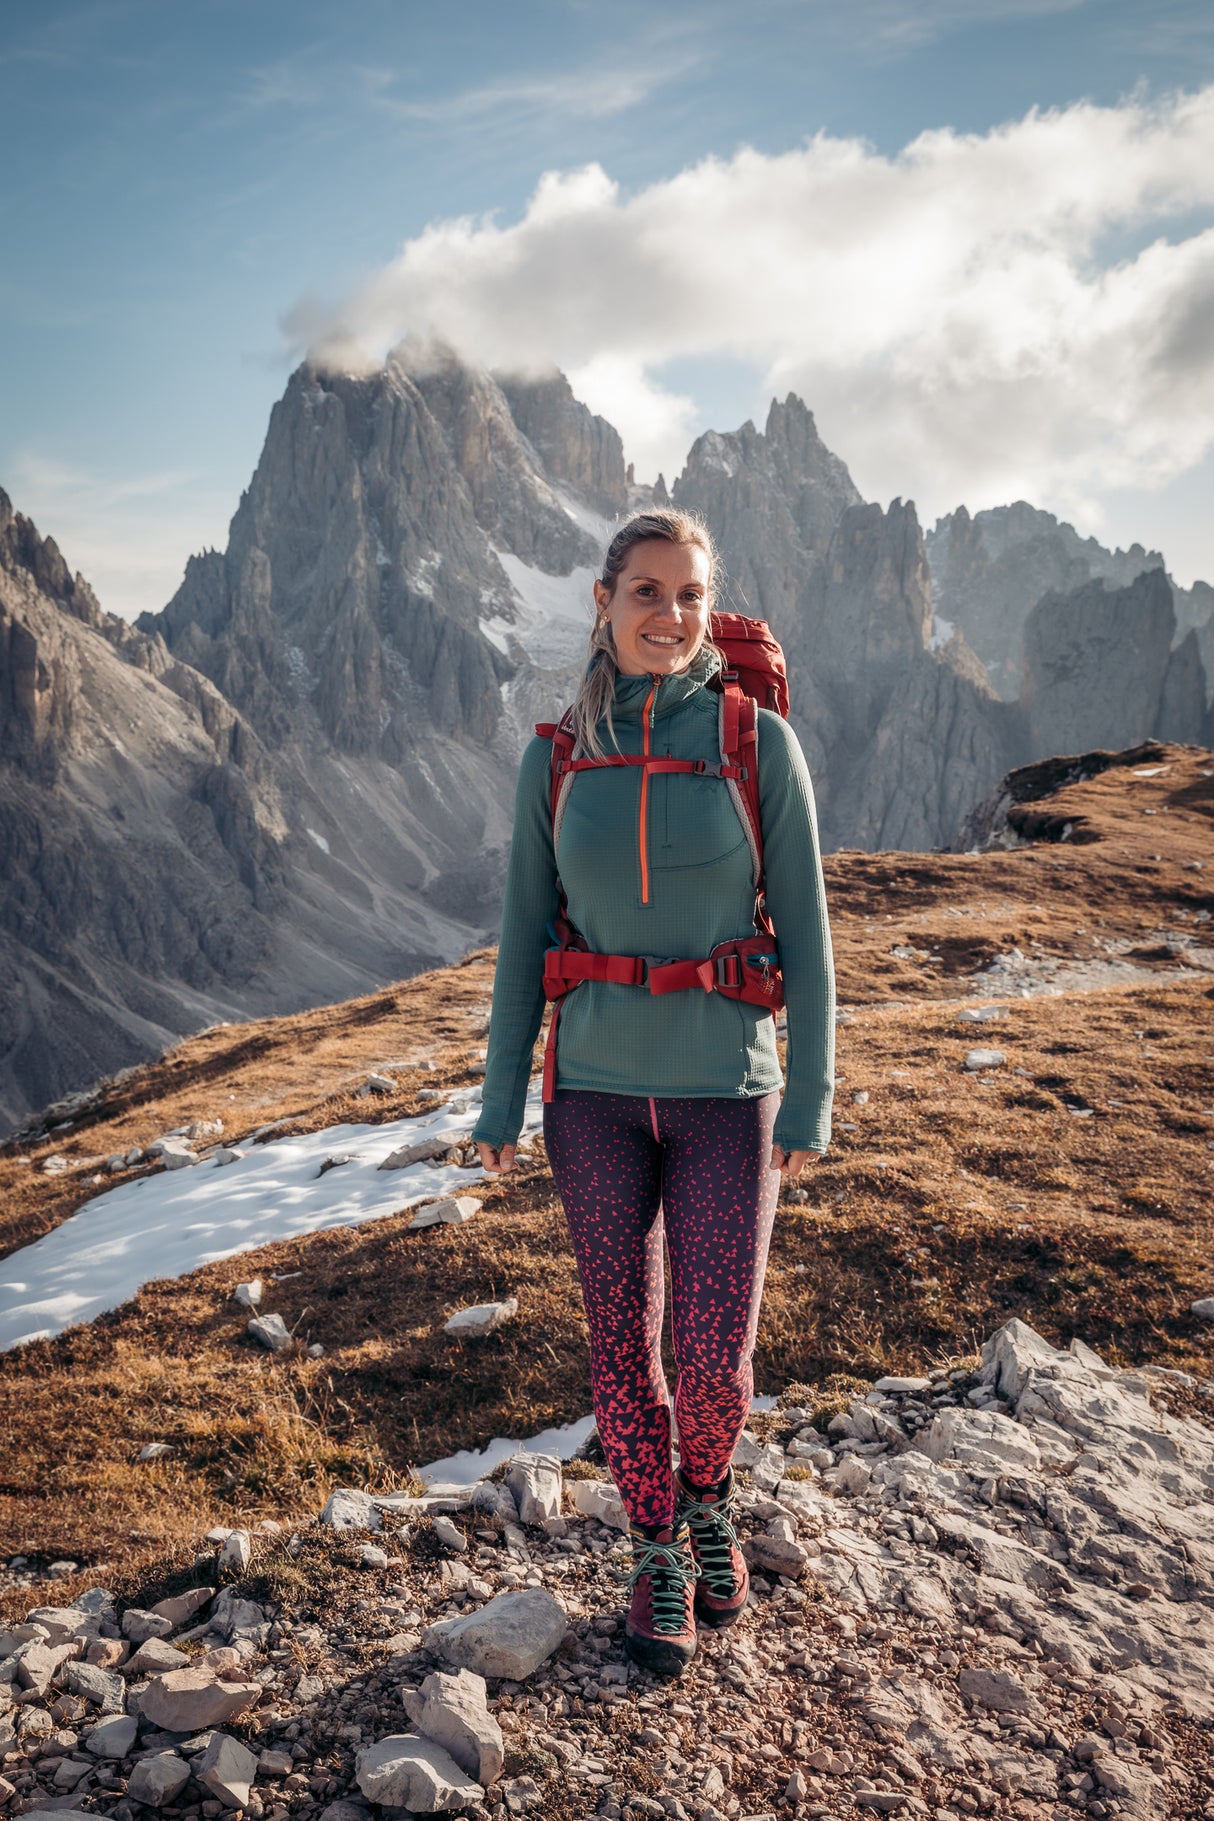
pixel 576 449
pixel 22 549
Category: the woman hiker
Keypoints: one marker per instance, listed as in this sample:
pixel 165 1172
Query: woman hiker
pixel 664 1110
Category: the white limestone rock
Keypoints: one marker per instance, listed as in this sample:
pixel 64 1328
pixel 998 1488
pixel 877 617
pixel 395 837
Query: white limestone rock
pixel 451 1212
pixel 481 1318
pixel 236 1553
pixel 187 1700
pixel 249 1295
pixel 227 1770
pixel 535 1481
pixel 113 1737
pixel 157 1780
pixel 594 1499
pixel 984 1059
pixel 454 1713
pixel 271 1331
pixel 980 1438
pixel 408 1771
pixel 511 1635
pixel 349 1508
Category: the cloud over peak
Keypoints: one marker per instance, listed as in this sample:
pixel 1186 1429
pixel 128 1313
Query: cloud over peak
pixel 1027 311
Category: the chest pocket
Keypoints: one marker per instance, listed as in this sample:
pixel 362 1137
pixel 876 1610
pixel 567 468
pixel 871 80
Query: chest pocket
pixel 697 824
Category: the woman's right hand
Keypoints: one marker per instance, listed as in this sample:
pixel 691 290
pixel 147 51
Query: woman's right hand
pixel 496 1161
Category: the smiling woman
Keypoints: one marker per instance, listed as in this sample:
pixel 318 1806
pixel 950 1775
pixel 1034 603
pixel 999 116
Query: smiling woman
pixel 663 1113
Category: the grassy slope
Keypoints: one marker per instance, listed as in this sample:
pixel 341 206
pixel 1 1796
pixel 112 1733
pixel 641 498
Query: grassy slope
pixel 957 1201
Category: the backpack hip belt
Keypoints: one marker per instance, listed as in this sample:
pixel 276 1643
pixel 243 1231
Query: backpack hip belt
pixel 746 968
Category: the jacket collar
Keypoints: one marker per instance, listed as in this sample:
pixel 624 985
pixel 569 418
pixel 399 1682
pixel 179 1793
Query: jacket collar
pixel 632 693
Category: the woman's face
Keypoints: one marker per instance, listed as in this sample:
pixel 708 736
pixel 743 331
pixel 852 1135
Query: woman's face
pixel 659 607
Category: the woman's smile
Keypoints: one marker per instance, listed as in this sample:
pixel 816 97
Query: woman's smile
pixel 659 607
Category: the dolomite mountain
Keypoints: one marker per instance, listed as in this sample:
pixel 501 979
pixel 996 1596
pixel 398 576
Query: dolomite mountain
pixel 295 782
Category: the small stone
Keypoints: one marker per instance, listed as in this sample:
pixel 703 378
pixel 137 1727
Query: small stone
pixel 449 1535
pixel 378 1084
pixel 139 1626
pixel 1204 1306
pixel 271 1331
pixel 997 1689
pixel 535 1481
pixel 101 1687
pixel 372 1556
pixel 407 1771
pixel 338 1162
pixel 275 1764
pixel 481 1318
pixel 227 1153
pixel 984 1059
pixel 348 1508
pixel 596 1500
pixel 249 1295
pixel 451 1212
pixel 316 1350
pixel 107 1653
pixel 236 1553
pixel 186 1700
pixel 180 1608
pixel 155 1657
pixel 511 1635
pixel 113 1738
pixel 454 1713
pixel 420 1152
pixel 156 1780
pixel 203 1128
pixel 902 1386
pixel 227 1769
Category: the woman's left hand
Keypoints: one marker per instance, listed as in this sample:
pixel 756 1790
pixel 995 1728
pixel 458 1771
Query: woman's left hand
pixel 790 1163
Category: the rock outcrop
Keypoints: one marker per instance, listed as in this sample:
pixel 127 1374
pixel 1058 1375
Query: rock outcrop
pixel 979 1591
pixel 1099 669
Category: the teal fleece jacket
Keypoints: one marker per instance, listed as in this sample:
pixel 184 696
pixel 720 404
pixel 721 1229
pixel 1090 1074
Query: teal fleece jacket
pixel 665 873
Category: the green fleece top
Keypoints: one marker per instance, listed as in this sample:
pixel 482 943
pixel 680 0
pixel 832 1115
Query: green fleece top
pixel 697 867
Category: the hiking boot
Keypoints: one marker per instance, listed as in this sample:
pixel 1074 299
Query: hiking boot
pixel 660 1629
pixel 724 1579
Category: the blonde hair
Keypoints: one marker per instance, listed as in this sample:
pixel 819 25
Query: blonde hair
pixel 596 691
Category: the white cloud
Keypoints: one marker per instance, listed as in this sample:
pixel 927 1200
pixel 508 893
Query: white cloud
pixel 950 313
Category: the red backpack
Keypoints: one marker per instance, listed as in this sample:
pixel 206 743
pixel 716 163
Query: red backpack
pixel 748 967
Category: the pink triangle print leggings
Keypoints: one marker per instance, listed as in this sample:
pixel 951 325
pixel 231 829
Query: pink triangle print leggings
pixel 627 1167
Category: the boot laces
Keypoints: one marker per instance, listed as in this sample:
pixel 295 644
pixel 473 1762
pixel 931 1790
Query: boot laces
pixel 672 1569
pixel 715 1540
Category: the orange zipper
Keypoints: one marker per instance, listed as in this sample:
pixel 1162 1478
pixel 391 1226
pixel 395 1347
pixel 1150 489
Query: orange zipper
pixel 645 729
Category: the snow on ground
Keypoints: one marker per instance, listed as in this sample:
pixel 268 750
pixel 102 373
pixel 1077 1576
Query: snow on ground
pixel 173 1222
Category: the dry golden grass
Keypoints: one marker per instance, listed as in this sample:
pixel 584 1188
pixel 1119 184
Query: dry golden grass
pixel 957 1201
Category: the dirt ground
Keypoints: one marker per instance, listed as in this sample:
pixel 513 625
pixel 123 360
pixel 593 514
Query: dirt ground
pixel 1072 1186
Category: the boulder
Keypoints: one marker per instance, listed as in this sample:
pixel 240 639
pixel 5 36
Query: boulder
pixel 452 1710
pixel 510 1635
pixel 186 1700
pixel 407 1771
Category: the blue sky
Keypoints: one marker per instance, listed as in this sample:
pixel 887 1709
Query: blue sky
pixel 185 178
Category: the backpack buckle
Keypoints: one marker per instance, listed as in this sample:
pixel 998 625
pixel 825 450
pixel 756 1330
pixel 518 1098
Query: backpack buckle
pixel 729 970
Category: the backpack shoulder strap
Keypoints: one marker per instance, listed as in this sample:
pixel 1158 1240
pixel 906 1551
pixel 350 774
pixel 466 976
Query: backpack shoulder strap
pixel 737 720
pixel 561 734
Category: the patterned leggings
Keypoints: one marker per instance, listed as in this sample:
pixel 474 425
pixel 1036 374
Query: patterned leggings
pixel 625 1165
